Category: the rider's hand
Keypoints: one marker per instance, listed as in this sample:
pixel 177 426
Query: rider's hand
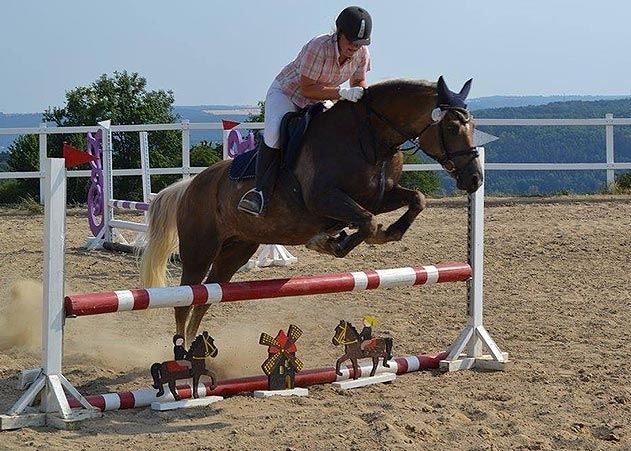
pixel 351 94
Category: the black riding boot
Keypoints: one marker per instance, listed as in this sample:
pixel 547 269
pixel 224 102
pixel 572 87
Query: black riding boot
pixel 256 200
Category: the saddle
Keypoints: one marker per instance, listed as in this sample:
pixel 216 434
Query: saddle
pixel 292 130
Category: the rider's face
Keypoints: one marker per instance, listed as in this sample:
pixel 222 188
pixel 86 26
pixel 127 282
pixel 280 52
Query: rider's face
pixel 346 47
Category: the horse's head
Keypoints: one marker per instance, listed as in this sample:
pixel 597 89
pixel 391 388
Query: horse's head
pixel 204 346
pixel 430 114
pixel 344 332
pixel 452 143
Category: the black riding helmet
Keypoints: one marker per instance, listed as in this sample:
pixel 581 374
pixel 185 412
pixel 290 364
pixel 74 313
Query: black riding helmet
pixel 355 23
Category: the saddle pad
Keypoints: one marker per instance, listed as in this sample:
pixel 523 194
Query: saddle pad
pixel 174 367
pixel 370 344
pixel 243 166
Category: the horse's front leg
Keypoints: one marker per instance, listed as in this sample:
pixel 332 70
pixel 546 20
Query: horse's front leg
pixel 338 363
pixel 355 368
pixel 338 205
pixel 394 199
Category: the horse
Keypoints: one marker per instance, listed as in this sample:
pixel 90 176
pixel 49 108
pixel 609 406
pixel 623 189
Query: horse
pixel 347 335
pixel 171 371
pixel 346 173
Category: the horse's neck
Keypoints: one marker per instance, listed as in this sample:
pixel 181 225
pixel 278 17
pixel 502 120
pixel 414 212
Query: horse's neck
pixel 403 118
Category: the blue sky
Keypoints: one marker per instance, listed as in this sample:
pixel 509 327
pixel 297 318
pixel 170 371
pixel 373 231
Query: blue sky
pixel 210 52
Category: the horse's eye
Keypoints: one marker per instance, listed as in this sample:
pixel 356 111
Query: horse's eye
pixel 454 129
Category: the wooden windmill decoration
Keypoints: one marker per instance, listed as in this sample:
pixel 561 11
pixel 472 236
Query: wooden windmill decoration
pixel 282 364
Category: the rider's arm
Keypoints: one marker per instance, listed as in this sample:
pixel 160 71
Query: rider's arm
pixel 316 91
pixel 358 82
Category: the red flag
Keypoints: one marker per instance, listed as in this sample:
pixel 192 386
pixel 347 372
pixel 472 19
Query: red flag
pixel 229 125
pixel 75 157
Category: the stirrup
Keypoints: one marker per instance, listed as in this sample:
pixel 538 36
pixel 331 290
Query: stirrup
pixel 252 202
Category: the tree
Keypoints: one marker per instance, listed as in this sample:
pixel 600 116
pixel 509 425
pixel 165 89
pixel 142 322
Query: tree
pixel 427 182
pixel 205 153
pixel 123 99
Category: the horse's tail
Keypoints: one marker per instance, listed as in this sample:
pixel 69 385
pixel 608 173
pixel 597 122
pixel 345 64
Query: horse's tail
pixel 161 236
pixel 155 374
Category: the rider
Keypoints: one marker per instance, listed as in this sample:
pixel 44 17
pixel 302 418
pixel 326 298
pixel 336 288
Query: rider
pixel 366 334
pixel 316 74
pixel 180 353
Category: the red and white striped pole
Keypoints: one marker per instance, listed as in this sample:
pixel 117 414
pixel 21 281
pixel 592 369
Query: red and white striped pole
pixel 141 299
pixel 229 387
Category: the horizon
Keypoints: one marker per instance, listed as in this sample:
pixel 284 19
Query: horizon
pixel 228 53
pixel 231 108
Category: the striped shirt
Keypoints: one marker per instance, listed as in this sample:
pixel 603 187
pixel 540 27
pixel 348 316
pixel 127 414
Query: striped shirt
pixel 319 61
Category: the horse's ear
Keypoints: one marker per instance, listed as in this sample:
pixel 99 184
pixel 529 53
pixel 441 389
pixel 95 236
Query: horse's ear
pixel 464 92
pixel 444 96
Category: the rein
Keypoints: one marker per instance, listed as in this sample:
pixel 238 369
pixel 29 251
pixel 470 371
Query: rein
pixel 340 337
pixel 209 349
pixel 446 160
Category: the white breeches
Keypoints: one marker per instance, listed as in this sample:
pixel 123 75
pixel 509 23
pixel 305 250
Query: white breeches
pixel 277 104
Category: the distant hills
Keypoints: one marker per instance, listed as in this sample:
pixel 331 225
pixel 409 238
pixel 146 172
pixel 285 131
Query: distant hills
pixel 482 103
pixel 214 113
pixel 570 144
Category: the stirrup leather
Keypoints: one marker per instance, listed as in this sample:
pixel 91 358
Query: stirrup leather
pixel 252 202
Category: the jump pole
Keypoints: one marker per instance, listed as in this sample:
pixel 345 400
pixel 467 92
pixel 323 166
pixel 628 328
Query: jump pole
pixel 305 378
pixel 185 295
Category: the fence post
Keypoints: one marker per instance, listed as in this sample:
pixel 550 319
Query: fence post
pixel 186 149
pixel 610 149
pixel 43 151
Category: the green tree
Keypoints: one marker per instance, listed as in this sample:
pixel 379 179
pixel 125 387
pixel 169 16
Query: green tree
pixel 427 182
pixel 205 153
pixel 124 99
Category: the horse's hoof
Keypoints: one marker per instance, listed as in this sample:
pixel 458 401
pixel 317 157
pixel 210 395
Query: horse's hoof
pixel 387 365
pixel 160 393
pixel 339 373
pixel 318 243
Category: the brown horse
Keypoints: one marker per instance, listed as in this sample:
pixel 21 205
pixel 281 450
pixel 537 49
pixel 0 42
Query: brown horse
pixel 171 371
pixel 346 173
pixel 347 335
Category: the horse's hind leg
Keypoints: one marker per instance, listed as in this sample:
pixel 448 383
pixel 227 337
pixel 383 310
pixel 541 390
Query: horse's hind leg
pixel 232 256
pixel 375 363
pixel 196 260
pixel 394 199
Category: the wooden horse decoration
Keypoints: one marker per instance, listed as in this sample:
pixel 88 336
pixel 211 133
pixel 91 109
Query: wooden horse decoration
pixel 347 172
pixel 282 364
pixel 189 364
pixel 347 335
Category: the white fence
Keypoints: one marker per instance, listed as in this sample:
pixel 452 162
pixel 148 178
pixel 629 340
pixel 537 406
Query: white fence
pixel 185 127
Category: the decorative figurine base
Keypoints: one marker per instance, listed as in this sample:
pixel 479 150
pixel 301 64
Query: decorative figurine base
pixel 288 392
pixel 185 403
pixel 364 381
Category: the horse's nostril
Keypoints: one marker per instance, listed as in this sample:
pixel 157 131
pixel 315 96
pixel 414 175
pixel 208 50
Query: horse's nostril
pixel 475 180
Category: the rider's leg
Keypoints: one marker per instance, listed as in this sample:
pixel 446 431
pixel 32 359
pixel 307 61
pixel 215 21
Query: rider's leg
pixel 256 200
pixel 277 104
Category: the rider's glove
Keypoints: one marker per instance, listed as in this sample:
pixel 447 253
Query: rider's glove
pixel 352 94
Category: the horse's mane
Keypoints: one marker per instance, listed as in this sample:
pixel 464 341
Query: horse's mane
pixel 352 328
pixel 403 84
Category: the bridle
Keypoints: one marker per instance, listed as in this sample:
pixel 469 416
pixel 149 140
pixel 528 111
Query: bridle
pixel 340 336
pixel 209 349
pixel 438 114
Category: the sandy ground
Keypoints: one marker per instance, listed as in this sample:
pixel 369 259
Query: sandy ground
pixel 557 299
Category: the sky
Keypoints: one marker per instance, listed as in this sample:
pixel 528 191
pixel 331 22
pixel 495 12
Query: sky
pixel 212 52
